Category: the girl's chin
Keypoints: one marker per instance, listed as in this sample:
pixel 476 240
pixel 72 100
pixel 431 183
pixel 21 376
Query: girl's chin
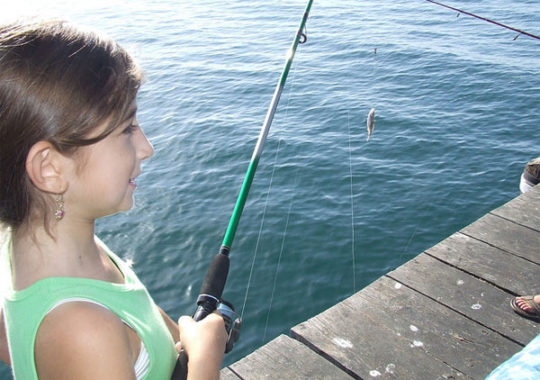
pixel 124 207
pixel 128 205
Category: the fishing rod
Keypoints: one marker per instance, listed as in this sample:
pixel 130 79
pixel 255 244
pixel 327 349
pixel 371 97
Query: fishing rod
pixel 485 19
pixel 209 298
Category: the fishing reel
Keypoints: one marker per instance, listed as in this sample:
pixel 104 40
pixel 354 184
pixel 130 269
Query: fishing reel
pixel 233 323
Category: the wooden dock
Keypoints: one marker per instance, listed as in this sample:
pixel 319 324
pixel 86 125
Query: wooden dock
pixel 443 315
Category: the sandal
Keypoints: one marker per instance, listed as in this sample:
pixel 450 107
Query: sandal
pixel 528 300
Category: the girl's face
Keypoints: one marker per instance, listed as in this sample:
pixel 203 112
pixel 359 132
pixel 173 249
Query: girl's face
pixel 104 181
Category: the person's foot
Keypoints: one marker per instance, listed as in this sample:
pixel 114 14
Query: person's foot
pixel 527 306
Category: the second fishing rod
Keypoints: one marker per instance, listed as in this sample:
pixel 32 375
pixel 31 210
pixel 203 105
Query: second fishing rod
pixel 209 298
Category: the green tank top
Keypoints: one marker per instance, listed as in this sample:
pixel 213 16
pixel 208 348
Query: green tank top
pixel 25 309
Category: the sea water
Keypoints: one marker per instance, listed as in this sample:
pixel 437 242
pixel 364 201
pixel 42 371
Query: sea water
pixel 457 102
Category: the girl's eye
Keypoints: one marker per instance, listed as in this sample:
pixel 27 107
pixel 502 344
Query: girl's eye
pixel 130 129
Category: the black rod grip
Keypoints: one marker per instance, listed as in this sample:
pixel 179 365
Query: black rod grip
pixel 216 276
pixel 180 369
pixel 209 296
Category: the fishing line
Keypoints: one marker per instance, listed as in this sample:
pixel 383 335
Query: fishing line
pixel 408 243
pixel 293 69
pixel 410 240
pixel 210 295
pixel 520 32
pixel 260 230
pixel 279 258
pixel 352 206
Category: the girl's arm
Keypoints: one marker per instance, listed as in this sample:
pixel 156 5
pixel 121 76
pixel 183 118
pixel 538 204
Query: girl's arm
pixel 83 341
pixel 171 325
pixel 4 349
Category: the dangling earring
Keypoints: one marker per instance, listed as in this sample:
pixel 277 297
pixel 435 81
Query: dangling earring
pixel 59 212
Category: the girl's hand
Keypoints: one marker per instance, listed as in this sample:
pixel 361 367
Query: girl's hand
pixel 204 343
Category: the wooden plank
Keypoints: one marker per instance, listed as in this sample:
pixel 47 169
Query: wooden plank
pixel 524 210
pixel 371 334
pixel 509 272
pixel 466 294
pixel 286 358
pixel 444 314
pixel 532 195
pixel 455 340
pixel 507 235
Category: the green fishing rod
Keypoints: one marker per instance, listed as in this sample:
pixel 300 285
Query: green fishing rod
pixel 209 298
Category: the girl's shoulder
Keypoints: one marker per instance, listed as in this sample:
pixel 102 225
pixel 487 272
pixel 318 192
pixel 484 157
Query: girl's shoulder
pixel 89 332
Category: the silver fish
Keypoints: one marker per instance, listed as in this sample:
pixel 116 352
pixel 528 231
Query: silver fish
pixel 370 122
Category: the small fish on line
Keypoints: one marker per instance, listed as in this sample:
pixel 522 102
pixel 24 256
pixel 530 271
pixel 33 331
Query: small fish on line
pixel 370 122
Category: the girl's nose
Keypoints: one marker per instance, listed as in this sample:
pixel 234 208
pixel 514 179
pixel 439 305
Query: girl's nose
pixel 144 147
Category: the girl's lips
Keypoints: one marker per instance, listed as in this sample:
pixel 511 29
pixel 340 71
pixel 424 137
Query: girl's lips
pixel 132 182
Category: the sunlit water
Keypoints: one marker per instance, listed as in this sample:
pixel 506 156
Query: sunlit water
pixel 456 102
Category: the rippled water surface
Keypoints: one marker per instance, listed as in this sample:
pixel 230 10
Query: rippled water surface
pixel 456 100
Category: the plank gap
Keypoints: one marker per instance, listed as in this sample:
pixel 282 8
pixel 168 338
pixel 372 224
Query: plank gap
pixel 235 373
pixel 473 275
pixel 455 309
pixel 494 213
pixel 499 247
pixel 323 354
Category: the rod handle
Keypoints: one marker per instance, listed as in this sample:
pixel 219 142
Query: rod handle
pixel 180 369
pixel 209 296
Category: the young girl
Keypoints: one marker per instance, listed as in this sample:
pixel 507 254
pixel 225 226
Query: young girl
pixel 71 152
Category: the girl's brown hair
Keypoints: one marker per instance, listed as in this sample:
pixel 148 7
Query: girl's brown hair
pixel 57 84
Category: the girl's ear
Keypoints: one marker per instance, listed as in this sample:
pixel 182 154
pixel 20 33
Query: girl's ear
pixel 46 168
